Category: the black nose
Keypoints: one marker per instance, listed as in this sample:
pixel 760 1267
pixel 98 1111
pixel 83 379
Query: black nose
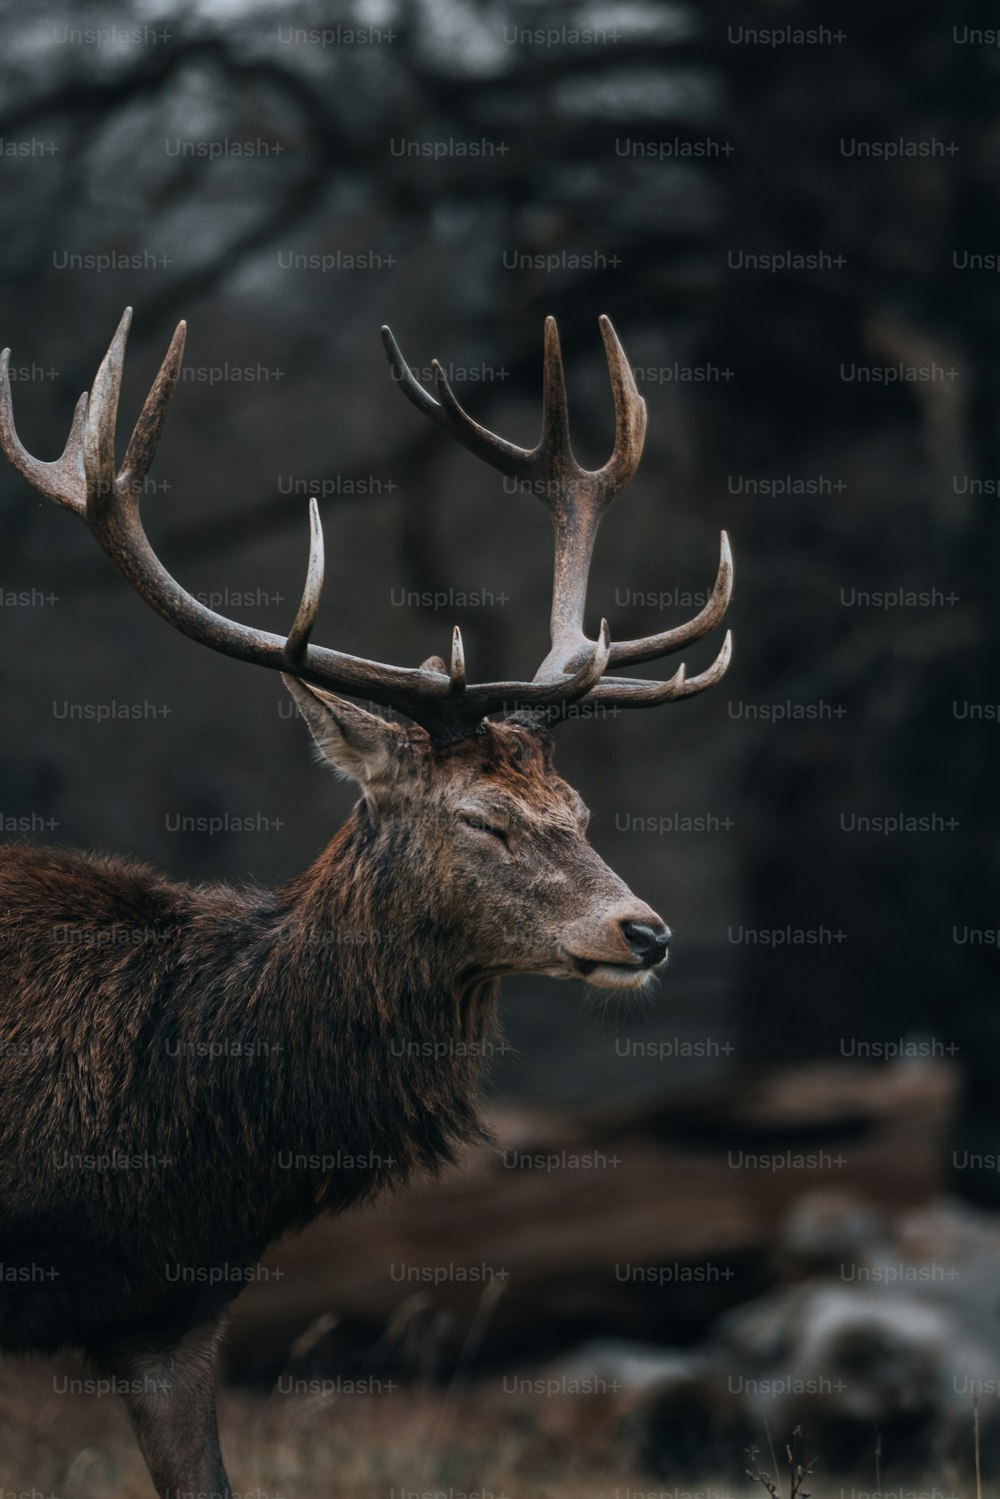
pixel 649 943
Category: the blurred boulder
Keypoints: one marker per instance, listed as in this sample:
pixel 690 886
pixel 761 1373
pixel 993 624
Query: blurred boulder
pixel 884 1326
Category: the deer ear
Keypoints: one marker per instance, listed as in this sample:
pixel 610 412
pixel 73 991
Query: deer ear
pixel 359 745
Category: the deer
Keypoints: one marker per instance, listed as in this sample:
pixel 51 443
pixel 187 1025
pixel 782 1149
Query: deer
pixel 140 1175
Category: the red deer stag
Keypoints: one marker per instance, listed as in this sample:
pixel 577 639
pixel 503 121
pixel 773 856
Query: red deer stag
pixel 119 986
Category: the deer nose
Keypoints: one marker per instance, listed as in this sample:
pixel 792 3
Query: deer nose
pixel 649 943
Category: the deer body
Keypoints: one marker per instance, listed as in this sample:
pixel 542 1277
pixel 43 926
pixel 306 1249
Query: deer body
pixel 188 1073
pixel 180 1063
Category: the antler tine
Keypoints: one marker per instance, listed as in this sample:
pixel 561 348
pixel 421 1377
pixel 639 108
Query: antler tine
pixel 102 417
pixel 554 450
pixel 594 670
pixel 456 673
pixel 630 414
pixel 63 480
pixel 713 673
pixel 407 380
pixel 627 652
pixel 305 615
pixel 148 429
pixel 633 692
pixel 446 412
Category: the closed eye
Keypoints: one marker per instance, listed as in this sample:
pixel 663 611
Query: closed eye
pixel 473 820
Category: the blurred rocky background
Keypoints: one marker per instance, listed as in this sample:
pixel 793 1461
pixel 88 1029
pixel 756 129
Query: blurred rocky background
pixel 792 218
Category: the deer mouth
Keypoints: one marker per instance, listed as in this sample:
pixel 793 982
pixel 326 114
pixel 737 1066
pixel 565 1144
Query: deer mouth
pixel 604 975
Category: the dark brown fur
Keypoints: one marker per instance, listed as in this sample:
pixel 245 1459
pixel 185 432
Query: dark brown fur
pixel 315 981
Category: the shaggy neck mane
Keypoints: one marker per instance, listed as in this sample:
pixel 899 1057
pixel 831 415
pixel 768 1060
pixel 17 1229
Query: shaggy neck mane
pixel 385 1058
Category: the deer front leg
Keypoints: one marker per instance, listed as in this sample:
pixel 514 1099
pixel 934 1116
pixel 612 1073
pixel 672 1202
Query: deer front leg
pixel 169 1391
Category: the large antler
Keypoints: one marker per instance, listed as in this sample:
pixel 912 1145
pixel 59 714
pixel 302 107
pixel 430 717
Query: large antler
pixel 578 498
pixel 84 479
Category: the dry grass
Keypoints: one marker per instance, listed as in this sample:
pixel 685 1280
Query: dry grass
pixel 74 1446
pixel 404 1444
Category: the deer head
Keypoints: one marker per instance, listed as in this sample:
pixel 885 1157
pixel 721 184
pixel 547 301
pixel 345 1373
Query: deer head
pixel 468 810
